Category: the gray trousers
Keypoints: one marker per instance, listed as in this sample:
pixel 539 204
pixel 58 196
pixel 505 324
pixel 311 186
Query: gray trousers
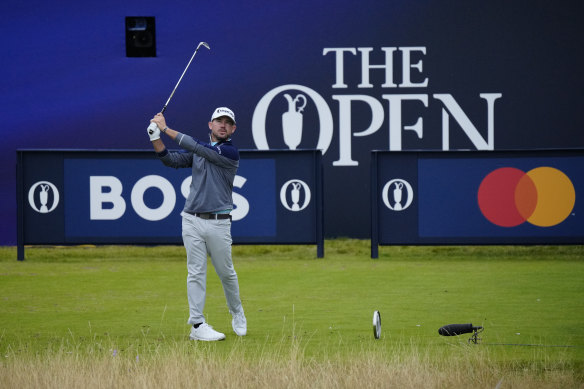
pixel 213 237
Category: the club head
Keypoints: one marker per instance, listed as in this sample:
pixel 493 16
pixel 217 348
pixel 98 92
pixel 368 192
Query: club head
pixel 203 44
pixel 376 324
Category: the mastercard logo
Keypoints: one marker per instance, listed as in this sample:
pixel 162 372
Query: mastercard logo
pixel 543 196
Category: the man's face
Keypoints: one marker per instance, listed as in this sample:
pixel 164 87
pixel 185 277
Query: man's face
pixel 221 128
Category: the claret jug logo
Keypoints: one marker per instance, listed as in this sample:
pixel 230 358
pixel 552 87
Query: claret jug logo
pixel 295 195
pixel 43 197
pixel 397 194
pixel 292 120
pixel 543 196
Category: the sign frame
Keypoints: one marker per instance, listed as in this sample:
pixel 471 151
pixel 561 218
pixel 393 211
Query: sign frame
pixel 420 167
pixel 308 162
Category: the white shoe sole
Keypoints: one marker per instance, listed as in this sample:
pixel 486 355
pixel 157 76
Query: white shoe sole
pixel 207 340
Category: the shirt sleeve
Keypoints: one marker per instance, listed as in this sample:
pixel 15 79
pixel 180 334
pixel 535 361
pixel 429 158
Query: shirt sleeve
pixel 224 155
pixel 176 159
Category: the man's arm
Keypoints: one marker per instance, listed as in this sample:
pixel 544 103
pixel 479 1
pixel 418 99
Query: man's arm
pixel 158 145
pixel 213 154
pixel 175 160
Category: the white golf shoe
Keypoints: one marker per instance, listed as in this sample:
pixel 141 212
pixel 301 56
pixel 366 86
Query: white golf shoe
pixel 206 333
pixel 239 324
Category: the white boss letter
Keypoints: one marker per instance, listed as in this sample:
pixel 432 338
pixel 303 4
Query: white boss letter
pixel 97 197
pixel 168 198
pixel 240 203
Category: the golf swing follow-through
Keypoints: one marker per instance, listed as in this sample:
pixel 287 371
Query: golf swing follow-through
pixel 206 219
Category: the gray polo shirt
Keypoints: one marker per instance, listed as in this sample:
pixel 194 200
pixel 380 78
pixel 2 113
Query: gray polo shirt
pixel 213 171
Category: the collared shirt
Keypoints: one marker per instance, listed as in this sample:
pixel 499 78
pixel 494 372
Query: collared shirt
pixel 214 167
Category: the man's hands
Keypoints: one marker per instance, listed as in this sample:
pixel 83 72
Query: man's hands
pixel 153 132
pixel 156 123
pixel 160 121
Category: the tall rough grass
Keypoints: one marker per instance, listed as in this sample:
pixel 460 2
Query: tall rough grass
pixel 280 365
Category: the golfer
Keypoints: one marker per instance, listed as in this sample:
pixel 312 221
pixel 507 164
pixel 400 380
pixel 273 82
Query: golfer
pixel 206 219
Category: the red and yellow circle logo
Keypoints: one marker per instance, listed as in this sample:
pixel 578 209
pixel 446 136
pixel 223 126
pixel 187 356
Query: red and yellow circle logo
pixel 543 196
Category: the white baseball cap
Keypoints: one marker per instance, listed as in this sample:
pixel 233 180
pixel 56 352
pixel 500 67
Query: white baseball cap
pixel 223 111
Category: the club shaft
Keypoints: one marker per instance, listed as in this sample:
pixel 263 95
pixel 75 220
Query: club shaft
pixel 181 77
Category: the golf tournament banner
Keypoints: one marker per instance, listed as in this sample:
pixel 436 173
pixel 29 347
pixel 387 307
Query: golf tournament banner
pixel 416 75
pixel 130 197
pixel 510 197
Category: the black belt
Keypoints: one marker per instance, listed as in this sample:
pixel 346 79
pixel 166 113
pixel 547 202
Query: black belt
pixel 214 216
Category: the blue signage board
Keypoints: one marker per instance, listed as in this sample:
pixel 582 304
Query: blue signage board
pixel 506 197
pixel 417 75
pixel 130 197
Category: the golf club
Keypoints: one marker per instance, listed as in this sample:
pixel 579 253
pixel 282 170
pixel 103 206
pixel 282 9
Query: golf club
pixel 183 73
pixel 152 126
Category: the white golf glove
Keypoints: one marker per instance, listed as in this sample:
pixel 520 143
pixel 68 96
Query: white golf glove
pixel 153 132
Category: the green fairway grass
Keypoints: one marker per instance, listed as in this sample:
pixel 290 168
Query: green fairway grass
pixel 130 302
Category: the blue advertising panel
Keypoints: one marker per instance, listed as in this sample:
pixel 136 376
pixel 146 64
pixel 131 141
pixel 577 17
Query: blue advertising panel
pixel 417 75
pixel 130 197
pixel 526 197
